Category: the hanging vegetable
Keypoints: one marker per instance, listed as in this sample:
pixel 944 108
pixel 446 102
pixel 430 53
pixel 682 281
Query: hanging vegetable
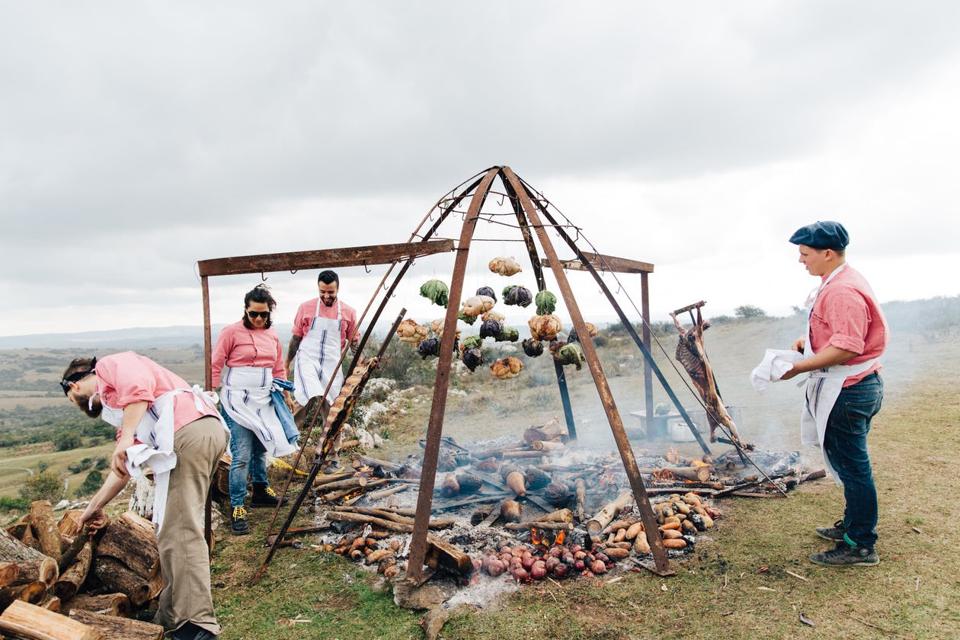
pixel 437 327
pixel 493 315
pixel 490 328
pixel 477 305
pixel 506 368
pixel 517 295
pixel 546 303
pixel 465 318
pixel 544 327
pixel 505 266
pixel 487 291
pixel 591 329
pixel 568 354
pixel 473 358
pixel 532 348
pixel 436 291
pixel 507 334
pixel 429 347
pixel 473 342
pixel 412 333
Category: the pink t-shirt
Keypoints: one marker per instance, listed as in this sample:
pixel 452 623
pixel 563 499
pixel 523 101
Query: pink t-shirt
pixel 238 346
pixel 128 377
pixel 847 315
pixel 307 311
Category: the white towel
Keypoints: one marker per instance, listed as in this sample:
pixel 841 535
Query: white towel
pixel 775 363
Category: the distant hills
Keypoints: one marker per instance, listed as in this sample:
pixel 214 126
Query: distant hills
pixel 133 338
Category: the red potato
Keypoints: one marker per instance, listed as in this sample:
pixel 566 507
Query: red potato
pixel 539 570
pixel 568 558
pixel 579 555
pixel 527 562
pixel 552 562
pixel 579 565
pixel 587 574
pixel 560 571
pixel 520 575
pixel 556 551
pixel 598 567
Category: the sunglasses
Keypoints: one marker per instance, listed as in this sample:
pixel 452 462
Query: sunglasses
pixel 258 314
pixel 76 376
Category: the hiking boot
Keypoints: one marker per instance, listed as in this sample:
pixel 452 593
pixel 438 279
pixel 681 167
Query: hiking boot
pixel 238 521
pixel 834 533
pixel 843 555
pixel 190 631
pixel 265 496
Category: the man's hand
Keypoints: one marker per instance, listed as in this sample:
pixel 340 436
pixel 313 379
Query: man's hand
pixel 792 373
pixel 118 462
pixel 291 403
pixel 95 520
pixel 798 345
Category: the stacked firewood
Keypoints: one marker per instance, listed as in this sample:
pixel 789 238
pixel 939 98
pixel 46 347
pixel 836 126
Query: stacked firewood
pixel 372 549
pixel 50 567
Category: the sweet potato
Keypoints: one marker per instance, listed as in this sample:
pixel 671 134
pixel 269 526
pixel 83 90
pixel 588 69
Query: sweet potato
pixel 675 543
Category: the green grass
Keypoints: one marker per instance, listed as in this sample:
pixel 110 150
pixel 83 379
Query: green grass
pixel 15 461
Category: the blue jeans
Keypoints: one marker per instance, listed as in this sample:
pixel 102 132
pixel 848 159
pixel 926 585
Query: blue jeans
pixel 845 443
pixel 248 455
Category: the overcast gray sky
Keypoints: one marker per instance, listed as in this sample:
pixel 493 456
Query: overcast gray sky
pixel 139 137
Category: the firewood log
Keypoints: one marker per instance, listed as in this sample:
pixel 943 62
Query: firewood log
pixel 31 622
pixel 115 627
pixel 560 515
pixel 69 525
pixel 9 572
pixel 19 528
pixel 45 527
pixel 73 578
pixel 581 490
pixel 115 576
pixel 444 554
pixel 29 592
pixel 547 445
pixel 34 566
pixel 51 603
pixel 111 604
pixel 131 540
pixel 469 483
pixel 609 511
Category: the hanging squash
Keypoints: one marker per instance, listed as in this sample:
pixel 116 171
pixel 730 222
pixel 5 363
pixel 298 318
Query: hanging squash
pixel 591 330
pixel 546 303
pixel 412 333
pixel 507 334
pixel 532 348
pixel 506 368
pixel 544 327
pixel 505 266
pixel 490 328
pixel 436 291
pixel 517 295
pixel 568 354
pixel 477 305
pixel 487 291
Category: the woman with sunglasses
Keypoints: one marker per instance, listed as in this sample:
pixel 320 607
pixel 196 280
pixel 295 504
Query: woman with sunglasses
pixel 248 367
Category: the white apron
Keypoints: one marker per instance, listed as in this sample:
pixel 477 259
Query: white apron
pixel 245 395
pixel 155 436
pixel 823 387
pixel 316 360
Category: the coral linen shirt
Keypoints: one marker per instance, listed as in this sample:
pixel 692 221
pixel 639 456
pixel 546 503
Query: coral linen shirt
pixel 128 377
pixel 847 315
pixel 238 346
pixel 307 311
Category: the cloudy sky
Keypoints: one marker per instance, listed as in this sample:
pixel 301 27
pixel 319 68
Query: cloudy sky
pixel 139 137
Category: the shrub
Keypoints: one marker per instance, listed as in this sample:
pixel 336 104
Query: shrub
pixel 67 440
pixel 13 504
pixel 91 483
pixel 42 486
pixel 749 311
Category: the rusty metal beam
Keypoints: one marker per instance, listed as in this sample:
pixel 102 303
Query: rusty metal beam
pixel 428 472
pixel 322 259
pixel 606 263
pixel 660 559
pixel 647 379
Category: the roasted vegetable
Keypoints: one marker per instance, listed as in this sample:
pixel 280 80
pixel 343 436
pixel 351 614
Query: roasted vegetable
pixel 465 318
pixel 437 327
pixel 412 333
pixel 477 305
pixel 546 303
pixel 544 327
pixel 473 358
pixel 676 543
pixel 557 494
pixel 436 291
pixel 532 348
pixel 568 354
pixel 429 348
pixel 505 266
pixel 536 478
pixel 450 486
pixel 487 291
pixel 506 368
pixel 517 295
pixel 490 329
pixel 492 315
pixel 468 482
pixel 515 481
pixel 507 334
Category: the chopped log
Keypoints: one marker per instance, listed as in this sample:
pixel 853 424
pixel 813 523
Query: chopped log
pixel 9 572
pixel 581 488
pixel 115 627
pixel 45 527
pixel 560 515
pixel 51 603
pixel 547 445
pixel 468 482
pixel 511 510
pixel 365 519
pixel 23 620
pixel 699 473
pixel 608 512
pixel 30 592
pixel 548 526
pixel 115 576
pixel 383 493
pixel 29 538
pixel 552 430
pixel 111 604
pixel 34 566
pixel 19 528
pixel 324 479
pixel 389 467
pixel 814 475
pixel 73 578
pixel 131 540
pixel 441 553
pixel 70 525
pixel 516 454
pixel 336 495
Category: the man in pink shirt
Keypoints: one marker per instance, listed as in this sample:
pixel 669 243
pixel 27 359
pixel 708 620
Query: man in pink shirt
pixel 321 330
pixel 847 334
pixel 171 427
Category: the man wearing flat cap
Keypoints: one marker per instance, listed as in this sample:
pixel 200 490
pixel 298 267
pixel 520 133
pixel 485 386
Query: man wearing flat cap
pixel 846 335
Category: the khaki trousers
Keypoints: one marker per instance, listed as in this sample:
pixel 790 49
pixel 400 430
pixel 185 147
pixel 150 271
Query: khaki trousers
pixel 184 558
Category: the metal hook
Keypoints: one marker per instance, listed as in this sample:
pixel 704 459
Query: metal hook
pixel 502 197
pixel 263 278
pixel 293 272
pixel 365 268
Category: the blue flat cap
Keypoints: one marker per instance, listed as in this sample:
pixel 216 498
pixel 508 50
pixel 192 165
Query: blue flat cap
pixel 822 235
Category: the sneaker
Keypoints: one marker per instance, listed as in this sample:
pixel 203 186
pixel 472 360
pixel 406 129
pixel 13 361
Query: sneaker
pixel 238 521
pixel 834 533
pixel 843 555
pixel 190 631
pixel 265 496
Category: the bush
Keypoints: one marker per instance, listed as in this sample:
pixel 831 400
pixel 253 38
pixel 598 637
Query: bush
pixel 747 312
pixel 91 483
pixel 13 504
pixel 102 463
pixel 67 440
pixel 42 486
